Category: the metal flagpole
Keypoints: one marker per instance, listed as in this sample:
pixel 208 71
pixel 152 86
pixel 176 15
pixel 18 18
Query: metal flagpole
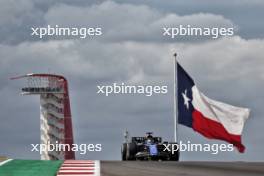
pixel 175 104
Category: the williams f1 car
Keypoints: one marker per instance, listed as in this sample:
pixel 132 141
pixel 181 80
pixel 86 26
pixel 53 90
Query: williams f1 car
pixel 147 148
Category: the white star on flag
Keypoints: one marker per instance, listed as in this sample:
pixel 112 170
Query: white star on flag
pixel 186 99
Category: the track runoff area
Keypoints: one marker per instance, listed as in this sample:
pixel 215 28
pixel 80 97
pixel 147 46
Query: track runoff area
pixel 11 167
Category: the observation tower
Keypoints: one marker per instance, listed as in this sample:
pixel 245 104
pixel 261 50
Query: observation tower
pixel 55 112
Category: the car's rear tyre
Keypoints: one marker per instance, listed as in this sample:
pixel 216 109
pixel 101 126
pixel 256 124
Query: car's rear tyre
pixel 124 151
pixel 131 151
pixel 174 156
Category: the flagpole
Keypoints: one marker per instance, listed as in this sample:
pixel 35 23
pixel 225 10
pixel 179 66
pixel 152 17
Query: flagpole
pixel 175 104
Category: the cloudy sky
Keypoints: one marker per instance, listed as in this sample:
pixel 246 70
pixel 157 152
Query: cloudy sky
pixel 131 50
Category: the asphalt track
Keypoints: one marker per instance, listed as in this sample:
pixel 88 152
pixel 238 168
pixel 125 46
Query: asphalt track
pixel 141 168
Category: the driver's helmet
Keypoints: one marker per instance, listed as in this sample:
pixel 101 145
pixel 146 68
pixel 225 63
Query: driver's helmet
pixel 149 139
pixel 149 136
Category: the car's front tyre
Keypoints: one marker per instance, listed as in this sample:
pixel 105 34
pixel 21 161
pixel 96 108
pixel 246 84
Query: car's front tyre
pixel 131 151
pixel 124 151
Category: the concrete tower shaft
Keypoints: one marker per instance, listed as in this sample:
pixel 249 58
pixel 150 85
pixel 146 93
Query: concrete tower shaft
pixel 55 112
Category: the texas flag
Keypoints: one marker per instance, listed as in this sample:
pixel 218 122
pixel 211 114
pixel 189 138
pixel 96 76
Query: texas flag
pixel 212 119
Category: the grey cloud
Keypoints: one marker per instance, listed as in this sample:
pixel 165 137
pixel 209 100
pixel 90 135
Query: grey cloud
pixel 19 16
pixel 125 22
pixel 246 14
pixel 13 10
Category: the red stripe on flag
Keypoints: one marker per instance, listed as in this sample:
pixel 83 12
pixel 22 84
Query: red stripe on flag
pixel 214 130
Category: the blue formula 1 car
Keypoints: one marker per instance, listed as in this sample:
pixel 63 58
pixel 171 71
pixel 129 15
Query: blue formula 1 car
pixel 146 148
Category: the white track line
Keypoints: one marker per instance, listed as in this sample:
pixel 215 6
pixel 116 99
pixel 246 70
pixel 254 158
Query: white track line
pixel 97 168
pixel 4 162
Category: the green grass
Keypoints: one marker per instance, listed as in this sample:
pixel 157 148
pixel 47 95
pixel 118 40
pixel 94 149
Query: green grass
pixel 30 168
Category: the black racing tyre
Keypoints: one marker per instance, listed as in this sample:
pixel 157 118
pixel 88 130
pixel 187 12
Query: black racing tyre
pixel 175 156
pixel 124 151
pixel 131 151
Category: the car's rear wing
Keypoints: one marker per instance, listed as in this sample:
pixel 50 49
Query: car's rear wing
pixel 143 139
